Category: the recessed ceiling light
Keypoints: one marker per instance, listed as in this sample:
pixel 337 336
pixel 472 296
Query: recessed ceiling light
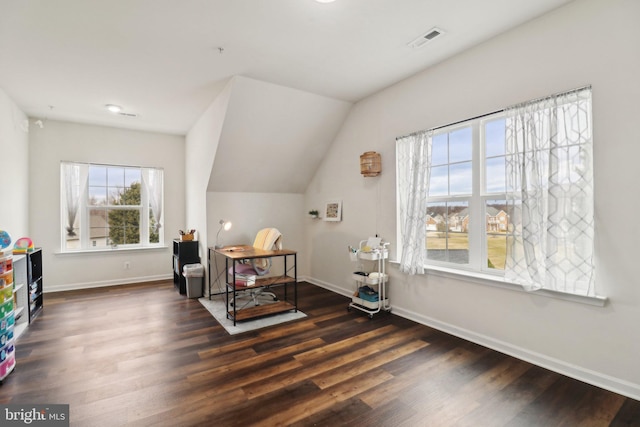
pixel 113 108
pixel 325 1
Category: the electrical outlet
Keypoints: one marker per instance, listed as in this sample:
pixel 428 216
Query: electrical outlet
pixel 127 264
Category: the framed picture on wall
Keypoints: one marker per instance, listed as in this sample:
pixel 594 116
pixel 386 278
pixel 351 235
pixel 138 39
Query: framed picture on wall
pixel 333 210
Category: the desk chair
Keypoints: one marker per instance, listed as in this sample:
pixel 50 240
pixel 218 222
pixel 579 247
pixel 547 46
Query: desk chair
pixel 266 239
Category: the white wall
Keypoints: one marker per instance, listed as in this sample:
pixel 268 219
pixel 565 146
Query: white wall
pixel 201 146
pixel 250 212
pixel 586 42
pixel 14 169
pixel 63 141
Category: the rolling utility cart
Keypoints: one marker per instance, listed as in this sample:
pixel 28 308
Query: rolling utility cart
pixel 371 294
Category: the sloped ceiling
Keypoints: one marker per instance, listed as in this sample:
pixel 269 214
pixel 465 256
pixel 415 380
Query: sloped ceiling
pixel 162 60
pixel 164 63
pixel 273 138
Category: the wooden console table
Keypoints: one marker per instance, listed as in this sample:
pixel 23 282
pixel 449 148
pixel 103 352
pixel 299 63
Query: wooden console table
pixel 233 255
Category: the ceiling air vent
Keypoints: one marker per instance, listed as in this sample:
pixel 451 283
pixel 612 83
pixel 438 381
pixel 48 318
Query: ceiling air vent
pixel 128 114
pixel 430 35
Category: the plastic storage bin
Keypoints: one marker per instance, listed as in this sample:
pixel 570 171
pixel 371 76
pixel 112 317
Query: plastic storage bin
pixel 6 262
pixel 193 274
pixel 7 365
pixel 6 278
pixel 368 294
pixel 6 293
pixel 6 308
pixel 6 336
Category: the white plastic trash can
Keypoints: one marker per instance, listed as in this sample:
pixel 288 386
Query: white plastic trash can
pixel 193 274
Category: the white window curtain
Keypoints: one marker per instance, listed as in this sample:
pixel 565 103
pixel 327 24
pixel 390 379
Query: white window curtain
pixel 152 179
pixel 550 194
pixel 75 177
pixel 413 154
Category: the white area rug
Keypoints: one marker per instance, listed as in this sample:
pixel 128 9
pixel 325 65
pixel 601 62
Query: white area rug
pixel 216 307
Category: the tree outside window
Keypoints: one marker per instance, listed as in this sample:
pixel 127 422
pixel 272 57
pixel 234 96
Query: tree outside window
pixel 118 209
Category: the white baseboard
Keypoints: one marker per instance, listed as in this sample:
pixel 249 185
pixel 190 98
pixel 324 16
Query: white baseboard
pixel 579 373
pixel 325 285
pixel 104 283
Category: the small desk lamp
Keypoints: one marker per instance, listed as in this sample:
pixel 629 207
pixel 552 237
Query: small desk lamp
pixel 226 225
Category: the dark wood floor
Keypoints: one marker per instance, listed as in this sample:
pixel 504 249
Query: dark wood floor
pixel 144 355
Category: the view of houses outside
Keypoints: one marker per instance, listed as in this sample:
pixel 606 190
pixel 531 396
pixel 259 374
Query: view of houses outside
pixel 448 232
pixel 497 224
pixel 451 190
pixel 98 232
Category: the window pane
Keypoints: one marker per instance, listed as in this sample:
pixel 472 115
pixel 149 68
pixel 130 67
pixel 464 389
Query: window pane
pixel 97 185
pixel 115 177
pixel 124 226
pixel 458 233
pixel 440 149
pixel 439 181
pixel 129 196
pixel 460 145
pixel 495 180
pixel 115 195
pixel 494 136
pixel 447 232
pixel 98 228
pixel 497 224
pixel 437 231
pixel 97 196
pixel 124 186
pixel 98 176
pixel 460 179
pixel 132 176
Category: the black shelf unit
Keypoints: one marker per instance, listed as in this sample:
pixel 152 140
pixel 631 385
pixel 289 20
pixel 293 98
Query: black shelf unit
pixel 184 252
pixel 34 283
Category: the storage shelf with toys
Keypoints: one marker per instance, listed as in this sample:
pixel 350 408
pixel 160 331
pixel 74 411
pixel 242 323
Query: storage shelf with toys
pixel 20 294
pixel 370 295
pixel 7 308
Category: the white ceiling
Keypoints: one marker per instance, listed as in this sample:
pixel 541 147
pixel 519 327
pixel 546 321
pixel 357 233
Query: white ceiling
pixel 161 59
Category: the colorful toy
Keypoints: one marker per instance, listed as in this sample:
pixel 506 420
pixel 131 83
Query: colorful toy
pixel 5 240
pixel 22 245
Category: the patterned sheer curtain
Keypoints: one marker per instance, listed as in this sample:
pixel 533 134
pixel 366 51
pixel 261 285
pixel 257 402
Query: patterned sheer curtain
pixel 152 180
pixel 74 178
pixel 550 194
pixel 413 154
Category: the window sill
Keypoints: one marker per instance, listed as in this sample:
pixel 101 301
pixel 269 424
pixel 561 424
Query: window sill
pixel 112 250
pixel 500 282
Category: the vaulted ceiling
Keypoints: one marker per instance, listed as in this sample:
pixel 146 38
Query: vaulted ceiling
pixel 273 137
pixel 295 67
pixel 165 61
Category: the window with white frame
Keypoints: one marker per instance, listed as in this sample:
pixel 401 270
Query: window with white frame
pixel 466 208
pixel 110 206
pixel 509 194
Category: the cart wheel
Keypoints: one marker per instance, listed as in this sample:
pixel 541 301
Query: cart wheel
pixel 348 308
pixel 275 298
pixel 370 316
